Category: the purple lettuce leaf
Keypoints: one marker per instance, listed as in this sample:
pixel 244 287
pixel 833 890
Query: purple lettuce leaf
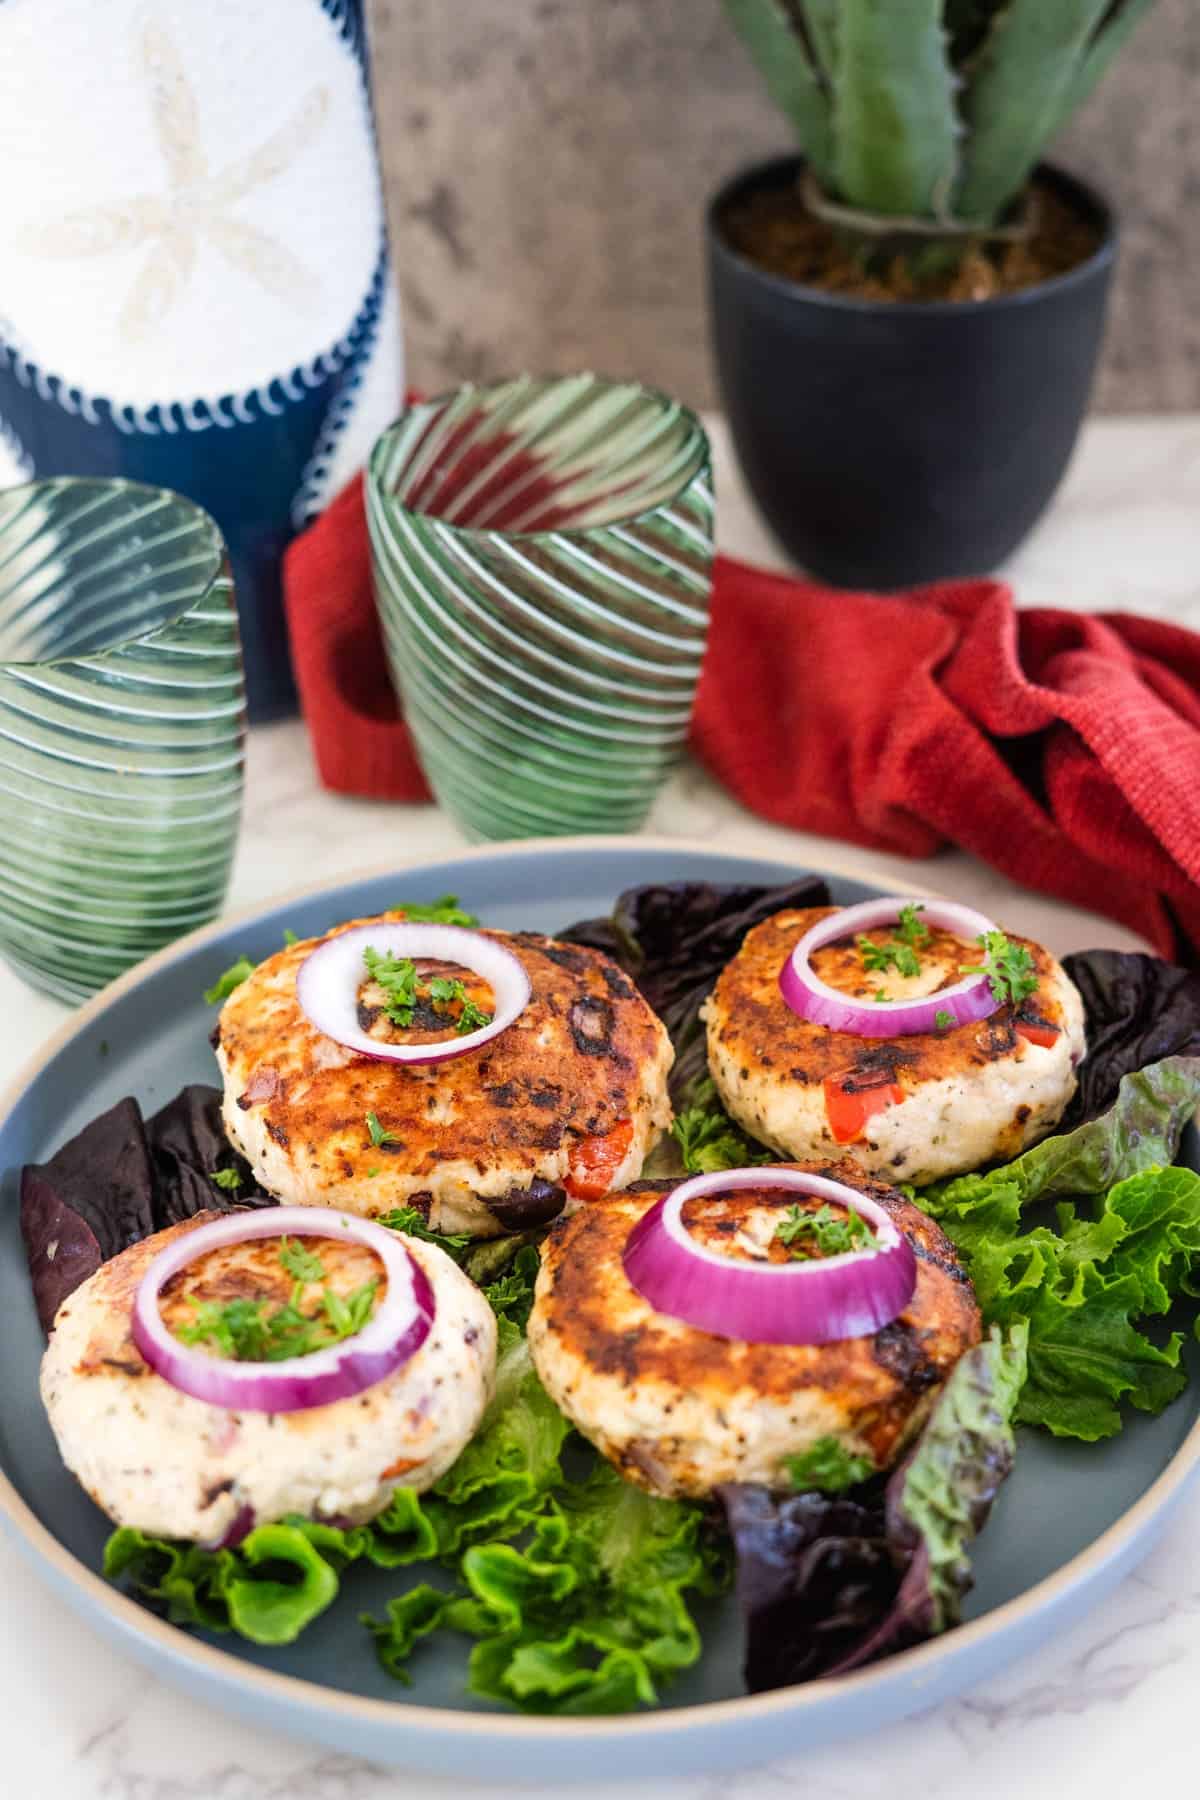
pixel 188 1148
pixel 675 937
pixel 119 1180
pixel 1138 1010
pixel 826 1583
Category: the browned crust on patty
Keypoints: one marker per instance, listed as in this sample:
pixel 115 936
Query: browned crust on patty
pixel 587 1307
pixel 109 1295
pixel 763 1035
pixel 571 1067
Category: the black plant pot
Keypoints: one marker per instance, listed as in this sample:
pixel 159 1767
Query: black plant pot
pixel 894 442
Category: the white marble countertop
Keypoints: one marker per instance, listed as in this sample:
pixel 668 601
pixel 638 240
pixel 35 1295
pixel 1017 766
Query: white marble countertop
pixel 1103 1710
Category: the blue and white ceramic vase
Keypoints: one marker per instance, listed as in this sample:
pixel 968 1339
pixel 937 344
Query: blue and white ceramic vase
pixel 194 280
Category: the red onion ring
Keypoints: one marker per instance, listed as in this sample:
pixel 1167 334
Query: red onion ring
pixel 812 1302
pixel 394 1332
pixel 968 1001
pixel 329 978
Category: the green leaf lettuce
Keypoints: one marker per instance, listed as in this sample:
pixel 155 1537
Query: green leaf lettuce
pixel 273 1584
pixel 1116 1251
pixel 590 1616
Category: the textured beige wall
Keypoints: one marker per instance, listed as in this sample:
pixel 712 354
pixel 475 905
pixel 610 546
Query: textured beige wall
pixel 547 162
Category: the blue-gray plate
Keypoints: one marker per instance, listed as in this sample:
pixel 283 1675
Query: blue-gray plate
pixel 1069 1523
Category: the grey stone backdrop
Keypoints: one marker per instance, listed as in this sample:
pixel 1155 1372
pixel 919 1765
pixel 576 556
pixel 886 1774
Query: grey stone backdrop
pixel 547 162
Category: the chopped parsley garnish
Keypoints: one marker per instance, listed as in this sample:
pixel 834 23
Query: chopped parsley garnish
pixel 245 1331
pixel 408 1220
pixel 1008 967
pixel 444 991
pixel 224 985
pixel 825 1232
pixel 892 955
pixel 471 1018
pixel 828 1468
pixel 445 911
pixel 900 951
pixel 397 976
pixel 943 1020
pixel 377 1133
pixel 910 928
pixel 229 1179
pixel 351 1314
pixel 881 993
pixel 301 1264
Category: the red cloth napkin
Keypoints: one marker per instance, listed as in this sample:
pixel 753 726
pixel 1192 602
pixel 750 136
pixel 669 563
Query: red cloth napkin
pixel 361 744
pixel 1061 747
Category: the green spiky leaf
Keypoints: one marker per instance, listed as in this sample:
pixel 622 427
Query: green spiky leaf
pixel 1109 37
pixel 1026 72
pixel 933 109
pixel 774 34
pixel 895 127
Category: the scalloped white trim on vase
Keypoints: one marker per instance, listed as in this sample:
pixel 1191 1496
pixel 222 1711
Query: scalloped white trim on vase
pixel 200 412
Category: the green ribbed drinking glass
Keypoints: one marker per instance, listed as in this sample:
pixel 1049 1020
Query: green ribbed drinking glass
pixel 542 555
pixel 122 724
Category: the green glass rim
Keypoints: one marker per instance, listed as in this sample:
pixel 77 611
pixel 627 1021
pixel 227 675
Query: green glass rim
pixel 26 493
pixel 697 463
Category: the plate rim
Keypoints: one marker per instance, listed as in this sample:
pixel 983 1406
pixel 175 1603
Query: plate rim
pixel 224 1669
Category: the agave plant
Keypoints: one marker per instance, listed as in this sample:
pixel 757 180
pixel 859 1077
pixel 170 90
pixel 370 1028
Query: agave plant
pixel 935 110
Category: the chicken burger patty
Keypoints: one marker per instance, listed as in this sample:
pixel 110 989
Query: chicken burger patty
pixel 679 1410
pixel 568 1101
pixel 909 1108
pixel 173 1466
